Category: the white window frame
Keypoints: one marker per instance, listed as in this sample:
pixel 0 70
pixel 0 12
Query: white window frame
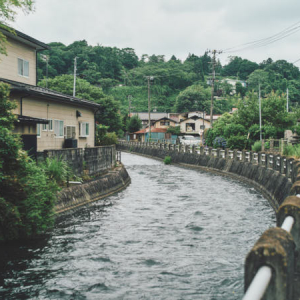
pixel 60 132
pixel 49 126
pixel 84 129
pixel 66 132
pixel 38 130
pixel 22 71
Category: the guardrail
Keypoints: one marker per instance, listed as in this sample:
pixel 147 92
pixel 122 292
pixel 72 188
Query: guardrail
pixel 274 260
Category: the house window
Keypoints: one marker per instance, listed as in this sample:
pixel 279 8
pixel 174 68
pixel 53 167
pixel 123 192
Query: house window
pixel 59 128
pixel 38 130
pixel 165 123
pixel 23 67
pixel 48 126
pixel 70 132
pixel 84 129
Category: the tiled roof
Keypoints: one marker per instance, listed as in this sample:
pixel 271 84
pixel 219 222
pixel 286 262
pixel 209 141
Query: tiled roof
pixel 153 130
pixel 46 93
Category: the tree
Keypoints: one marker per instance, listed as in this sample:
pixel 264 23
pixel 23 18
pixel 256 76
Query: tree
pixel 7 13
pixel 134 124
pixel 193 98
pixel 27 195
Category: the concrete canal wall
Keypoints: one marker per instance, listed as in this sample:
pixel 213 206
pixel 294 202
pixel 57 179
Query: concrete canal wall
pixel 98 163
pixel 272 175
pixel 272 266
pixel 73 197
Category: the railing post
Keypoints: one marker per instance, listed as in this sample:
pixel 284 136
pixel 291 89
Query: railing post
pixel 193 149
pixel 275 249
pixel 201 150
pixel 243 156
pixel 291 207
pixel 186 149
pixel 218 153
pixel 210 151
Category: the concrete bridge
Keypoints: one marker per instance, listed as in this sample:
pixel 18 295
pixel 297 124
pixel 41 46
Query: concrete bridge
pixel 272 266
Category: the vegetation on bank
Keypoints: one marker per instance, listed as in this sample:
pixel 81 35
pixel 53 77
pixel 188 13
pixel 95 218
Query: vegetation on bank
pixel 27 191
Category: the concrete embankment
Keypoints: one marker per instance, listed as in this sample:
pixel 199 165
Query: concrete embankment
pixel 271 183
pixel 86 193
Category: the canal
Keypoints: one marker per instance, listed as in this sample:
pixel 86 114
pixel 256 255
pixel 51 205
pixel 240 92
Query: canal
pixel 174 233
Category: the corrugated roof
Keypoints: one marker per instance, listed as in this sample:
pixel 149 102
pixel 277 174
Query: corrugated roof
pixel 31 120
pixel 153 130
pixel 47 93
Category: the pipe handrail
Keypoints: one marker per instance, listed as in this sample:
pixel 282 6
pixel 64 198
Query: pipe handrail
pixel 263 276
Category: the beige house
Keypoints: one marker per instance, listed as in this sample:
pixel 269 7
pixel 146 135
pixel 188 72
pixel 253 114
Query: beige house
pixel 53 120
pixel 194 126
pixel 164 123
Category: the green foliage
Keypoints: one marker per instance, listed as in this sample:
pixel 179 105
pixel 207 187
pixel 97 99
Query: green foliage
pixel 27 194
pixel 167 160
pixel 193 98
pixel 134 124
pixel 174 130
pixel 57 170
pixel 7 13
pixel 292 150
pixel 109 139
pixel 297 129
pixel 256 147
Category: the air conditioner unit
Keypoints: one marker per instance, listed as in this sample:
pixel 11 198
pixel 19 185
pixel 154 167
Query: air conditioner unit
pixel 70 143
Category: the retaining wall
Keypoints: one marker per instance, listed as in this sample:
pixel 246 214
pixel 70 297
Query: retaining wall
pixel 272 267
pixel 76 196
pixel 272 175
pixel 93 161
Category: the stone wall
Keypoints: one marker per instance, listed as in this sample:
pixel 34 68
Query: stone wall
pixel 76 196
pixel 94 160
pixel 272 175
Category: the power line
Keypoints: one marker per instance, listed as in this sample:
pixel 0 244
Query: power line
pixel 266 41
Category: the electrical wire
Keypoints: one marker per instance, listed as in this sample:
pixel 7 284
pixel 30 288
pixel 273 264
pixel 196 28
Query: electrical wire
pixel 265 41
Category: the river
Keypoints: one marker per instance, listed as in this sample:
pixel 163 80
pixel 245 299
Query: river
pixel 174 233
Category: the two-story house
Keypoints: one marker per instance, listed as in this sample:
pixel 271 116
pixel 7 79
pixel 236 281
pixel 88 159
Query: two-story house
pixel 46 119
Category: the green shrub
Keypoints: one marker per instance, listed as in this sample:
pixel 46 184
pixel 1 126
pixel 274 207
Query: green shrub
pixel 290 150
pixel 167 160
pixel 27 194
pixel 58 170
pixel 257 146
pixel 109 139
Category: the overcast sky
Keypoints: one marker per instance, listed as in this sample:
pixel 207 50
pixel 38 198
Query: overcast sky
pixel 167 27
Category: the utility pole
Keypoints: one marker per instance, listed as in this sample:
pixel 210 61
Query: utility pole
pixel 129 104
pixel 149 105
pixel 259 101
pixel 214 52
pixel 287 99
pixel 75 70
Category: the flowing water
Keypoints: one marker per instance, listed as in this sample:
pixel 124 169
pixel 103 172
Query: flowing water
pixel 174 233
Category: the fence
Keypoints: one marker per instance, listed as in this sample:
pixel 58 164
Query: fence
pixel 93 161
pixel 274 261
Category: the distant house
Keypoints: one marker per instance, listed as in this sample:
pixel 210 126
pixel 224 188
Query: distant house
pixel 157 135
pixel 46 119
pixel 164 123
pixel 154 116
pixel 194 126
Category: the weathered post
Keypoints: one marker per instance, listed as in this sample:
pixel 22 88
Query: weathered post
pixel 291 207
pixel 283 165
pixel 201 150
pixel 210 151
pixel 274 249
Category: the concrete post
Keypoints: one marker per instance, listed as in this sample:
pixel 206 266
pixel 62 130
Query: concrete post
pixel 187 149
pixel 278 163
pixel 234 154
pixel 275 248
pixel 262 145
pixel 283 165
pixel 193 149
pixel 251 157
pixel 201 150
pixel 291 207
pixel 210 151
pixel 170 145
pixel 289 167
pixel 271 144
pixel 243 156
pixel 218 153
